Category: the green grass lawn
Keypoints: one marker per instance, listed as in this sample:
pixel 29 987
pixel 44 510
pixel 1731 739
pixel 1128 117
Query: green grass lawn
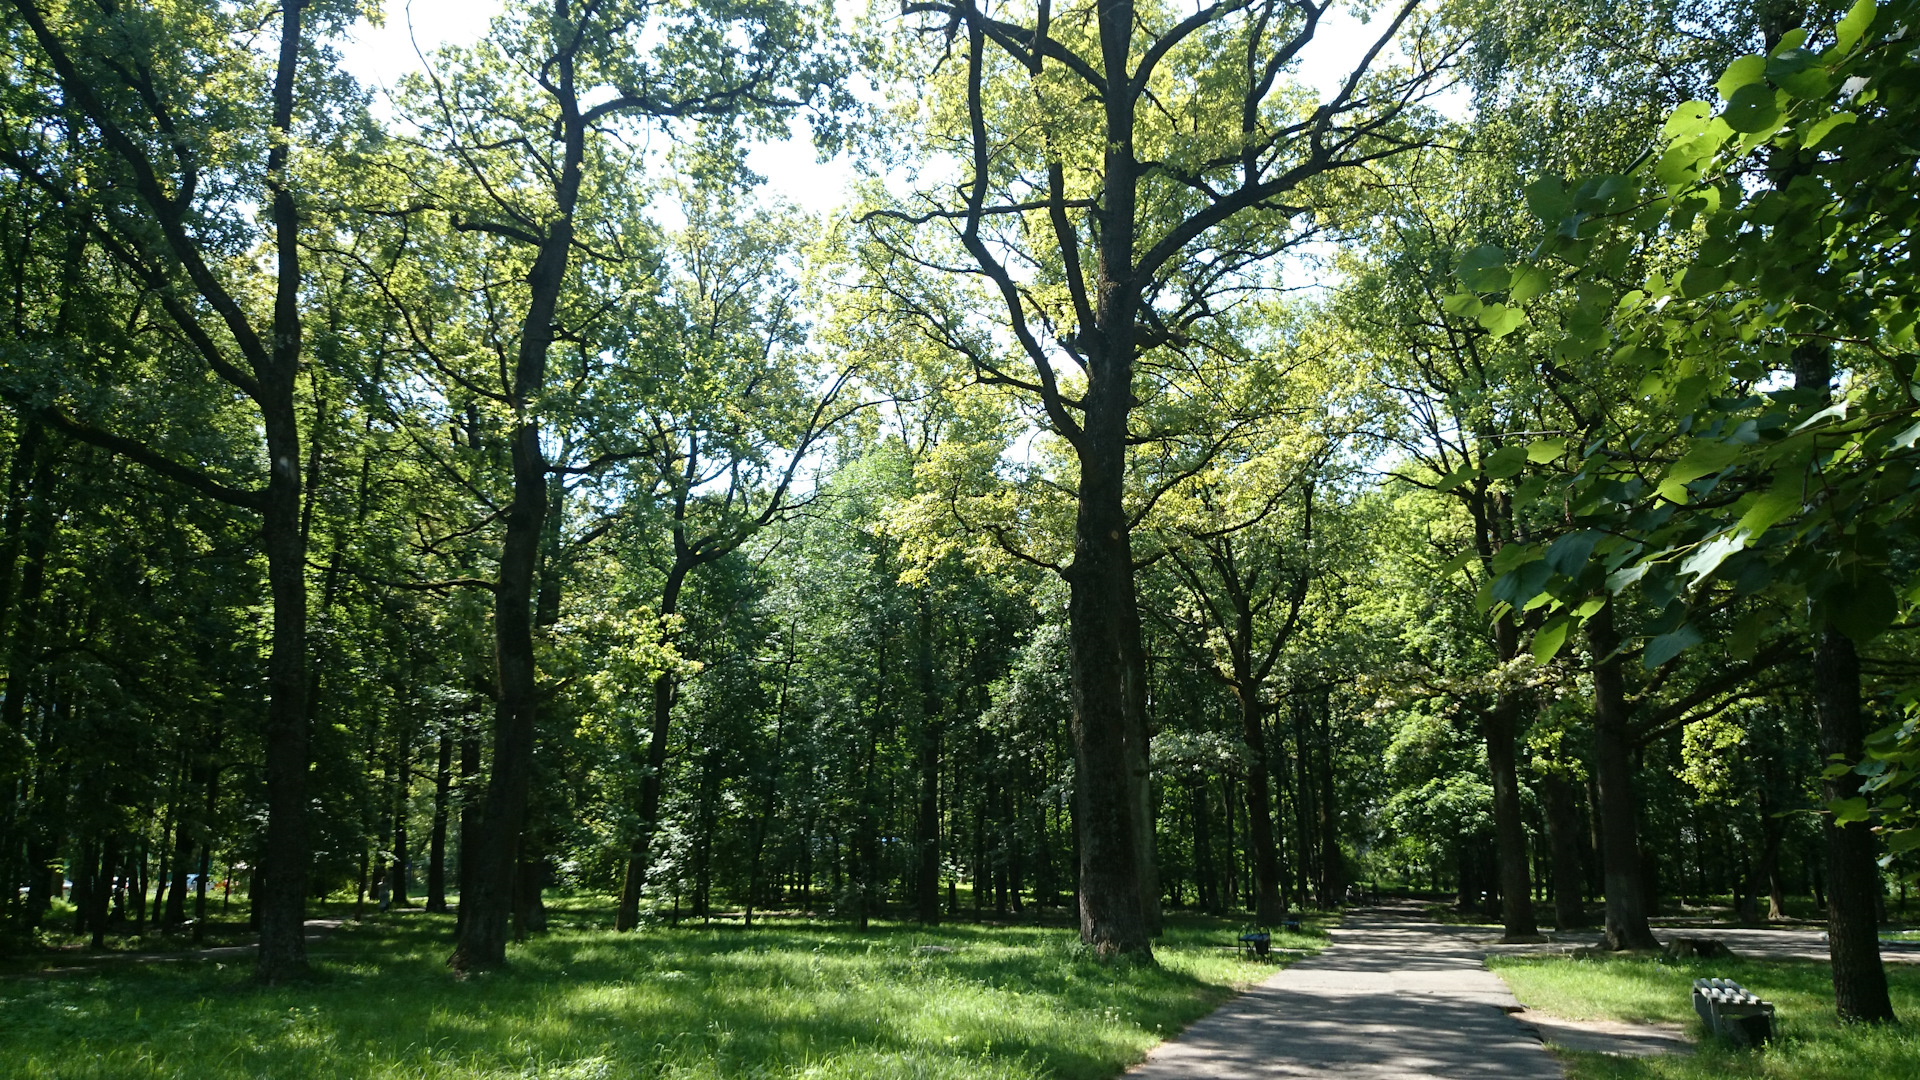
pixel 786 999
pixel 1809 1045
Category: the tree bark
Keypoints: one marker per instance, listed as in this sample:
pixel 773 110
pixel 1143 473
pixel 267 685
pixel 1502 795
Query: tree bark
pixel 437 843
pixel 927 841
pixel 403 783
pixel 1563 839
pixel 1516 899
pixel 495 858
pixel 665 688
pixel 1853 878
pixel 1613 772
pixel 1113 913
pixel 1268 908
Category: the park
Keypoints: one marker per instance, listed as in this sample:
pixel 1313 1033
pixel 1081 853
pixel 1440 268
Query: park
pixel 585 539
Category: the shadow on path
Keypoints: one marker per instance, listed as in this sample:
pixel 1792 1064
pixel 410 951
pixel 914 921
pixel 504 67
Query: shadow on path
pixel 1394 997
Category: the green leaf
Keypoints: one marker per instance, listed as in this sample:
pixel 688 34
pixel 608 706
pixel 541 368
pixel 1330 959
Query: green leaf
pixel 1545 450
pixel 1505 462
pixel 1528 282
pixel 1465 305
pixel 1848 811
pixel 1591 607
pixel 1688 120
pixel 1549 640
pixel 1570 553
pixel 1745 71
pixel 1501 320
pixel 1797 70
pixel 1548 199
pixel 1858 19
pixel 1708 557
pixel 1512 555
pixel 1745 639
pixel 1522 584
pixel 1861 608
pixel 1455 478
pixel 1818 133
pixel 1835 411
pixel 1456 564
pixel 1625 576
pixel 1484 269
pixel 1775 505
pixel 1669 645
pixel 1703 458
pixel 1753 109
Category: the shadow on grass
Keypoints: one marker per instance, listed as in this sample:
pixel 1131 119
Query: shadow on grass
pixel 788 998
pixel 1811 1043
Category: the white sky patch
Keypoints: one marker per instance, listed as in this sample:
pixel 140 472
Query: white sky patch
pixel 379 56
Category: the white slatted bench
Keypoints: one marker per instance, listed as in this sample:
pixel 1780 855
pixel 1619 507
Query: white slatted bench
pixel 1730 1010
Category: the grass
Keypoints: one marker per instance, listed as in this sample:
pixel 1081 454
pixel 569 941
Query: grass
pixel 1810 1044
pixel 786 999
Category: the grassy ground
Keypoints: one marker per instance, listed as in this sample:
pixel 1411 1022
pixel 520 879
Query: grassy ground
pixel 581 1003
pixel 1810 1044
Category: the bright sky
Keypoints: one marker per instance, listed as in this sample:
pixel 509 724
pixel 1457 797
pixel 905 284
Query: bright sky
pixel 379 56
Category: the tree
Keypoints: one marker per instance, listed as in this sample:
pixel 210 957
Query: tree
pixel 145 133
pixel 1712 482
pixel 1124 172
pixel 524 126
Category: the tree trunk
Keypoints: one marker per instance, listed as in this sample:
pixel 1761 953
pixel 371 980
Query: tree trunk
pixel 1853 879
pixel 437 845
pixel 1613 772
pixel 1333 871
pixel 1563 839
pixel 1771 834
pixel 665 687
pixel 402 789
pixel 1113 913
pixel 927 842
pixel 470 823
pixel 1501 726
pixel 1268 908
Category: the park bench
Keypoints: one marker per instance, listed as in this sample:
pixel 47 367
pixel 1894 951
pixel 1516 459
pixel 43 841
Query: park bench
pixel 1257 943
pixel 1731 1011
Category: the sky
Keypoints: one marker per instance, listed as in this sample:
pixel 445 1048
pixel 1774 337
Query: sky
pixel 380 55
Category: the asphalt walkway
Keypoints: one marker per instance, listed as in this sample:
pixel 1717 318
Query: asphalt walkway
pixel 1394 997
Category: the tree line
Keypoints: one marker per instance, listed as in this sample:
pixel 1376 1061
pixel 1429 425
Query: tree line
pixel 1168 484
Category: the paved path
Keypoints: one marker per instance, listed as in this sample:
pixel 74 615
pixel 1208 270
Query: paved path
pixel 1784 943
pixel 1395 997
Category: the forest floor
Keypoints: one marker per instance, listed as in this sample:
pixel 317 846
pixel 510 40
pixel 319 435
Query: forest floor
pixel 1654 993
pixel 789 998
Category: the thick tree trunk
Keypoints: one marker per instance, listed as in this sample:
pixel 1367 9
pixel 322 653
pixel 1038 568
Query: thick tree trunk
pixel 1613 772
pixel 487 908
pixel 281 898
pixel 1113 913
pixel 1516 900
pixel 1853 878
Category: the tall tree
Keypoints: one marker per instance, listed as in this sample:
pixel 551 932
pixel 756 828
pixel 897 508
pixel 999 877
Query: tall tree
pixel 1124 169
